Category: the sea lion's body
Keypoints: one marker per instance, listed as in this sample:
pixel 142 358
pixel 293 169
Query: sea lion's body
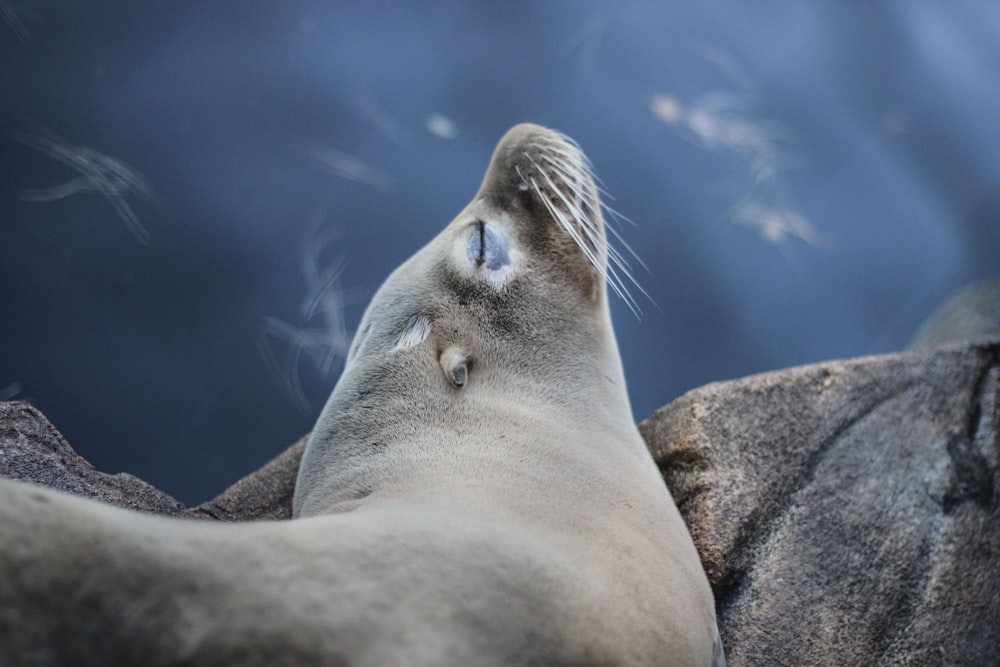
pixel 474 493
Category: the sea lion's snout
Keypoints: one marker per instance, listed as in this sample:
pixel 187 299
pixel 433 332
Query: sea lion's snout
pixel 546 179
pixel 548 172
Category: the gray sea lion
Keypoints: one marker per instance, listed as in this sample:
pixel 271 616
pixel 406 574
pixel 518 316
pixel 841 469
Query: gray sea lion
pixel 475 491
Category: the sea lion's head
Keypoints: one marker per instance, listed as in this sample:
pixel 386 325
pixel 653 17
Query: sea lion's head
pixel 506 308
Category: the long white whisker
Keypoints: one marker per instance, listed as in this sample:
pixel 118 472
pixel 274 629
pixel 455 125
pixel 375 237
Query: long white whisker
pixel 607 272
pixel 571 230
pixel 574 197
pixel 590 226
pixel 567 162
pixel 566 224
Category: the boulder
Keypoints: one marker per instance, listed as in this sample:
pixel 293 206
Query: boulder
pixel 32 450
pixel 846 512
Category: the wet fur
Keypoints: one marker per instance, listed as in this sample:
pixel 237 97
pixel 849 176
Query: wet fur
pixel 510 518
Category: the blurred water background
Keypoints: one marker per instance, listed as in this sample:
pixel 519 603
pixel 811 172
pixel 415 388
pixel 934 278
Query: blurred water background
pixel 197 199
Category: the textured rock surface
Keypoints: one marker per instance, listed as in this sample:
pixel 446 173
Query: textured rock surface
pixel 32 450
pixel 264 494
pixel 848 513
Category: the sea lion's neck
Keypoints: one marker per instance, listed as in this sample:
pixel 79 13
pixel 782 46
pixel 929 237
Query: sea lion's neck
pixel 369 439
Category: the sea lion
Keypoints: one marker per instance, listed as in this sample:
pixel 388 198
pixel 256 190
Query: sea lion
pixel 475 491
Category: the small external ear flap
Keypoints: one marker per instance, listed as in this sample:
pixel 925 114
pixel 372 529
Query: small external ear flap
pixel 416 332
pixel 455 363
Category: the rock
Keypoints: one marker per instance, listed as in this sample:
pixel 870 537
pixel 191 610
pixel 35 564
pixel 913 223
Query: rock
pixel 847 512
pixel 264 494
pixel 32 450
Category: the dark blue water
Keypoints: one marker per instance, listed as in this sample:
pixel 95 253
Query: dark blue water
pixel 807 181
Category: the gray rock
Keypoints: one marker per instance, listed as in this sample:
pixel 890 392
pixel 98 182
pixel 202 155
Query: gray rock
pixel 32 450
pixel 264 494
pixel 847 512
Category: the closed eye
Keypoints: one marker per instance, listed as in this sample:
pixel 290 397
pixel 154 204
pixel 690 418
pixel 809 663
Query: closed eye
pixel 488 247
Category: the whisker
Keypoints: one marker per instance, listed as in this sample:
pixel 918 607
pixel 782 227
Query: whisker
pixel 571 230
pixel 567 225
pixel 598 182
pixel 574 197
pixel 588 246
pixel 614 256
pixel 607 271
